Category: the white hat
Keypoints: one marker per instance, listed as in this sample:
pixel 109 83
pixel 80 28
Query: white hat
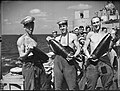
pixel 76 28
pixel 27 19
pixel 63 22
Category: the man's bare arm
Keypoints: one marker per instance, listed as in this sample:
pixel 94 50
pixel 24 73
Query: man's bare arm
pixel 87 41
pixel 76 42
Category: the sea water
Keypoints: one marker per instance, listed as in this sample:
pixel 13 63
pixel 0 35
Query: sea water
pixel 9 51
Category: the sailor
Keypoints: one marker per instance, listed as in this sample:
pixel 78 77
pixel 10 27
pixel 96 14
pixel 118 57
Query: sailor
pixel 96 68
pixel 64 71
pixel 32 70
pixel 54 34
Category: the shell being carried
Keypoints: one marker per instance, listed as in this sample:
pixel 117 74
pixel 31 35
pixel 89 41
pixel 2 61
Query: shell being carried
pixel 40 54
pixel 102 47
pixel 63 51
pixel 100 50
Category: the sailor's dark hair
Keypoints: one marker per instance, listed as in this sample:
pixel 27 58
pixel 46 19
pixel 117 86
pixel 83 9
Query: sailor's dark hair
pixel 87 27
pixel 104 28
pixel 81 26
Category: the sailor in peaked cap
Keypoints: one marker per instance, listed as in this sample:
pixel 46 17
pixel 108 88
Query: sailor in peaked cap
pixel 68 41
pixel 76 30
pixel 31 56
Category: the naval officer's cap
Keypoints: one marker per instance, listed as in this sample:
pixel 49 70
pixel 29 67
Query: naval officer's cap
pixel 27 20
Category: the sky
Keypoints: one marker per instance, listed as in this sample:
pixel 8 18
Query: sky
pixel 46 13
